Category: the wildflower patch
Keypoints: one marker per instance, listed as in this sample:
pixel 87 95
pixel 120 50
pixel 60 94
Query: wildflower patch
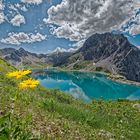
pixel 29 83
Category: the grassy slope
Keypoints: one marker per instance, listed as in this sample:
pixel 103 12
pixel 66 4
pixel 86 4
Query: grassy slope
pixel 51 114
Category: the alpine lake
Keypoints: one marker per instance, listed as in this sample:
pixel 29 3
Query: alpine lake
pixel 87 85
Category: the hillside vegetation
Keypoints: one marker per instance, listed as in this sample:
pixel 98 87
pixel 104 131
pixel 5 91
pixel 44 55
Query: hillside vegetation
pixel 42 114
pixel 107 52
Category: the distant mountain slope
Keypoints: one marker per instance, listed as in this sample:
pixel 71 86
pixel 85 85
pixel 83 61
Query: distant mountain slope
pixel 21 58
pixel 110 52
pixel 102 52
pixel 58 58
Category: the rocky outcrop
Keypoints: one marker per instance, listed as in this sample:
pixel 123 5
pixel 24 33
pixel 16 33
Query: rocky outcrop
pixel 112 52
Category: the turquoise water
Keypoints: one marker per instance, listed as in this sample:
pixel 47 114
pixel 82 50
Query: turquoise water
pixel 87 86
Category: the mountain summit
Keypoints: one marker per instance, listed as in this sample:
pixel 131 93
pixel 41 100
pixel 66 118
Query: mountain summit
pixel 111 52
pixel 108 52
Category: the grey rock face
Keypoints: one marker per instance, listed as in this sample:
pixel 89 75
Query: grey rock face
pixel 114 53
pixel 20 57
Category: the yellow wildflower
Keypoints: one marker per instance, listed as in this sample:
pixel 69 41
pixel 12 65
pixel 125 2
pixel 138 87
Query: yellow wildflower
pixel 18 74
pixel 30 83
pixel 26 72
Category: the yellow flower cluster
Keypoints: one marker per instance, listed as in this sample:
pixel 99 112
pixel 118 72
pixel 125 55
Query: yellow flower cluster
pixel 19 74
pixel 30 83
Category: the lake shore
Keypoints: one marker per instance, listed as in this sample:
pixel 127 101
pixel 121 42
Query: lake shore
pixel 117 78
pixel 124 81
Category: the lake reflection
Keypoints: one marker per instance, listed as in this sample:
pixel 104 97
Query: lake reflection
pixel 87 86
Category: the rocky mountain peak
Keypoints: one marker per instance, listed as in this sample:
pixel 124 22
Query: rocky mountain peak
pixel 109 51
pixel 100 46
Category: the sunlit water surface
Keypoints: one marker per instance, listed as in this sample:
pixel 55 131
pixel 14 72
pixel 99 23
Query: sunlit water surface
pixel 87 86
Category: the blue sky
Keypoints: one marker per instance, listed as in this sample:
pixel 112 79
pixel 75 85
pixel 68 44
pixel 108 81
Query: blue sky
pixel 134 39
pixel 34 18
pixel 43 25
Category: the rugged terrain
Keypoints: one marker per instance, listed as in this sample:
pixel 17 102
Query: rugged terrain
pixel 21 58
pixel 107 52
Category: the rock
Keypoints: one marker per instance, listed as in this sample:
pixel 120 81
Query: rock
pixel 113 53
pixel 20 57
pixel 137 106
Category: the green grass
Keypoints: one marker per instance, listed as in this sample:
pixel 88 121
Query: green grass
pixel 42 114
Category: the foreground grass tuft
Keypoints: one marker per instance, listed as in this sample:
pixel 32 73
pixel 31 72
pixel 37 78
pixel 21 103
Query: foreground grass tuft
pixel 42 114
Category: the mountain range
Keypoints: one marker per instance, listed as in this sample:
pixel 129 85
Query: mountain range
pixel 101 52
pixel 21 58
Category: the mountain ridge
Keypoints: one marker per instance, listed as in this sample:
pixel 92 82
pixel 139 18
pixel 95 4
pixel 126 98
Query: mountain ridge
pixel 108 52
pixel 20 57
pixel 101 52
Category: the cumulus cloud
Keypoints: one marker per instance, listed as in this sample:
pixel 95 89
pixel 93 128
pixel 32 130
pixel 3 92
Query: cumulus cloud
pixel 19 38
pixel 12 7
pixel 77 20
pixel 59 49
pixel 2 17
pixel 16 7
pixel 18 20
pixel 32 1
pixel 1 5
pixel 78 44
pixel 135 30
pixel 21 7
pixel 45 20
pixel 134 25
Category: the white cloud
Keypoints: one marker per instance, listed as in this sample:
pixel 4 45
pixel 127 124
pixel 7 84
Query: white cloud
pixel 2 17
pixel 77 20
pixel 58 49
pixel 37 37
pixel 18 20
pixel 72 32
pixel 19 38
pixel 24 9
pixel 103 8
pixel 21 7
pixel 45 20
pixel 32 1
pixel 1 5
pixel 78 44
pixel 134 29
pixel 12 7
